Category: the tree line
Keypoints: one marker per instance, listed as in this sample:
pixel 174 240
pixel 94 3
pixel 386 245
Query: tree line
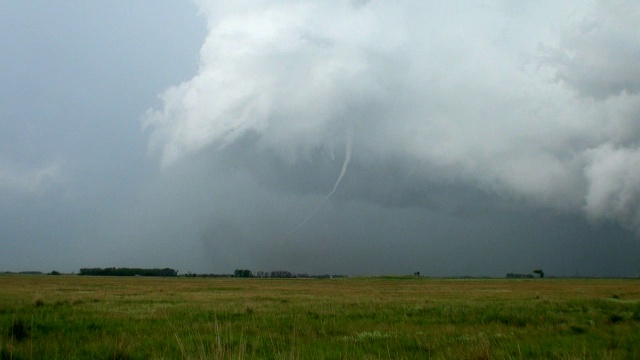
pixel 167 272
pixel 280 274
pixel 539 272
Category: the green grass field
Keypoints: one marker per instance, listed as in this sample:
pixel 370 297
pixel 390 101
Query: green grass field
pixel 73 317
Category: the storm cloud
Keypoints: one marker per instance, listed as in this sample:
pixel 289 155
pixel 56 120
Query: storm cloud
pixel 546 112
pixel 355 137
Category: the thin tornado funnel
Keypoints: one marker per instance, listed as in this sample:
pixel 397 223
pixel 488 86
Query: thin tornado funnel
pixel 347 158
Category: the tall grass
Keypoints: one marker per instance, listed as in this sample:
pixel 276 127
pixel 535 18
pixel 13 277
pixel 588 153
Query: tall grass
pixel 391 318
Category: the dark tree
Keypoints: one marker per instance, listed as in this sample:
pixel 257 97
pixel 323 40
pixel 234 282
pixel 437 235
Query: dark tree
pixel 539 272
pixel 245 273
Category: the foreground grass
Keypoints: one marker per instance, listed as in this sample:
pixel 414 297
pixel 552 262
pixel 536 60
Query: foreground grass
pixel 71 317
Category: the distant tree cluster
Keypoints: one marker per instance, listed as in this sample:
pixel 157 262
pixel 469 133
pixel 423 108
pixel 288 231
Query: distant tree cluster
pixel 283 274
pixel 194 275
pixel 280 274
pixel 167 272
pixel 245 273
pixel 539 272
pixel 519 276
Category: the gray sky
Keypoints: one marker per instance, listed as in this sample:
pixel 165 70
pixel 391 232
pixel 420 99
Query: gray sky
pixel 355 137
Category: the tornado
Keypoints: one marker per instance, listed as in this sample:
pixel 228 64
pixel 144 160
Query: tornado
pixel 343 171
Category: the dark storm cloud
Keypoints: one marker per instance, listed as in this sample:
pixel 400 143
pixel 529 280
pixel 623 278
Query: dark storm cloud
pixel 460 138
pixel 468 142
pixel 461 100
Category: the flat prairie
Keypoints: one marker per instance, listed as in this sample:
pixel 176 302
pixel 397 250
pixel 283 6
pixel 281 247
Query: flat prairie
pixel 78 317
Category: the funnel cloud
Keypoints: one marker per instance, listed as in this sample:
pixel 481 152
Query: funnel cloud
pixel 345 165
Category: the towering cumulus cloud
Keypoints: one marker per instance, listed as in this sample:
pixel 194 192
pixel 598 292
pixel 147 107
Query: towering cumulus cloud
pixel 528 101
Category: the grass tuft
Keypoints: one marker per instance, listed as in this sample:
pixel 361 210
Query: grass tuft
pixel 19 330
pixel 7 354
pixel 578 329
pixel 615 318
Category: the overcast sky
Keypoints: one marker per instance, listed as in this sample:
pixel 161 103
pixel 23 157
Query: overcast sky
pixel 351 137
